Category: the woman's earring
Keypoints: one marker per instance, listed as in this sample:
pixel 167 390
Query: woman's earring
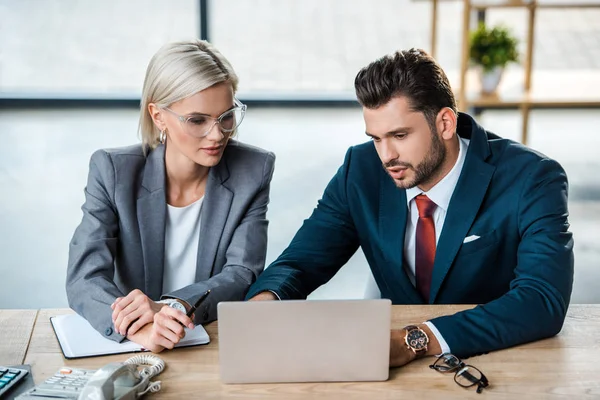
pixel 162 136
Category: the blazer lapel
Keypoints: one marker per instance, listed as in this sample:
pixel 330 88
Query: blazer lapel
pixel 151 213
pixel 393 212
pixel 215 210
pixel 465 202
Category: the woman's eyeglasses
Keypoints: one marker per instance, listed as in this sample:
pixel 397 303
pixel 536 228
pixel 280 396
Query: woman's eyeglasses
pixel 464 375
pixel 200 125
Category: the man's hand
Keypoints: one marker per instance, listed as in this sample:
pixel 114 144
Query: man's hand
pixel 264 296
pixel 132 312
pixel 401 355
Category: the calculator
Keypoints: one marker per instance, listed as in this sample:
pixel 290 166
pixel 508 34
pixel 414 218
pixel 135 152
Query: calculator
pixel 67 383
pixel 10 377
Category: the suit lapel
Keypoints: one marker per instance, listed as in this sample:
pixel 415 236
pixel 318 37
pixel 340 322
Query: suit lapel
pixel 465 202
pixel 215 209
pixel 151 213
pixel 393 212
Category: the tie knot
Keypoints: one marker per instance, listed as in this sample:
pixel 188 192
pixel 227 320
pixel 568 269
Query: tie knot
pixel 425 206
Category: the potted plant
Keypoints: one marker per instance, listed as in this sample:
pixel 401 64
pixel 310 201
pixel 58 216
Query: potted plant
pixel 491 50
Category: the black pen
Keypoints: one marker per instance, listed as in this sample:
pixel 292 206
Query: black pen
pixel 195 306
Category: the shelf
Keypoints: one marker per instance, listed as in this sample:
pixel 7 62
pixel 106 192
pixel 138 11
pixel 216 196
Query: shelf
pixel 567 4
pixel 485 4
pixel 575 87
pixel 550 88
pixel 496 101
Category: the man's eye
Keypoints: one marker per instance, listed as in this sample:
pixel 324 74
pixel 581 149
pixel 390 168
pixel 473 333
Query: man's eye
pixel 400 135
pixel 375 139
pixel 197 121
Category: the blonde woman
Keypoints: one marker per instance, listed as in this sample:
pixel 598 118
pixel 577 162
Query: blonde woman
pixel 182 213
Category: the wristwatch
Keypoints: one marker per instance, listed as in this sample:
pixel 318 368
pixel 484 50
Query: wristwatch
pixel 416 339
pixel 173 303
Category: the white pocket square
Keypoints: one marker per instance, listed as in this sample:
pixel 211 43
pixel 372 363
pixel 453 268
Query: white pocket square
pixel 471 238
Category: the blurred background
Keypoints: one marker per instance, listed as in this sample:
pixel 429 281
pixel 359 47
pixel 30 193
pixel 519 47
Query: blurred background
pixel 71 73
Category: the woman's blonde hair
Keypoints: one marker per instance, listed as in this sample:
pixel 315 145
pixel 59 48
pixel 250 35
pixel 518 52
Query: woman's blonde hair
pixel 177 71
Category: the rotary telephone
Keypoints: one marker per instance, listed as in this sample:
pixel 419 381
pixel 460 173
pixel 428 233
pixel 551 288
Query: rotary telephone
pixel 114 381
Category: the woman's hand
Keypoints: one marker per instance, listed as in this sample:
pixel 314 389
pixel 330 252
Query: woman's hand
pixel 168 327
pixel 164 332
pixel 134 311
pixel 143 338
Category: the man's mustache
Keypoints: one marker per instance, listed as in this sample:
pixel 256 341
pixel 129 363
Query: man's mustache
pixel 397 163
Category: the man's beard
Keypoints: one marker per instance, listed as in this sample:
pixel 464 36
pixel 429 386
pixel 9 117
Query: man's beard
pixel 427 169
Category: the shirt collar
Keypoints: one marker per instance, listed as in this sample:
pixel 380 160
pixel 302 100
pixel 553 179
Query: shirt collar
pixel 441 193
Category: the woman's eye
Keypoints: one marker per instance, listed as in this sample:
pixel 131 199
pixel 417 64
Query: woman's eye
pixel 197 121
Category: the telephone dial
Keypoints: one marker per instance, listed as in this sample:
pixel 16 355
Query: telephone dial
pixel 114 381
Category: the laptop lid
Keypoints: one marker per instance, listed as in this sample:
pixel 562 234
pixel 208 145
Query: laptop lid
pixel 304 340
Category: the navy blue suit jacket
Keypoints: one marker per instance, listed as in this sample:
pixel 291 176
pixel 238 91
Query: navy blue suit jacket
pixel 519 272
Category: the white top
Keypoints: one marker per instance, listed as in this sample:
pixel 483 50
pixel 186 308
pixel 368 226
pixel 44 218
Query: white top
pixel 440 194
pixel 182 233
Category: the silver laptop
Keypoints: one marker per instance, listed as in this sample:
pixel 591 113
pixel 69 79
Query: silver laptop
pixel 304 341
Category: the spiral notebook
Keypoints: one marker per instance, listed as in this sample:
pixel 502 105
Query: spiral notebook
pixel 77 338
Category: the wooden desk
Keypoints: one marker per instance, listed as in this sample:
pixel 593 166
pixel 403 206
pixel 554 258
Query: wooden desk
pixel 15 331
pixel 567 365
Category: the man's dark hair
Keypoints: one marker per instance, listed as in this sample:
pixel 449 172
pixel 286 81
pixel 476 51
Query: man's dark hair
pixel 413 74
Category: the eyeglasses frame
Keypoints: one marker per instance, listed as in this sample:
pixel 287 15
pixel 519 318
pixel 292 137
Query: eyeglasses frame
pixel 461 366
pixel 185 118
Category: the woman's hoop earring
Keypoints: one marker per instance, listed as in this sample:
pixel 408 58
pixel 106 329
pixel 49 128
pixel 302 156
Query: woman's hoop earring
pixel 162 137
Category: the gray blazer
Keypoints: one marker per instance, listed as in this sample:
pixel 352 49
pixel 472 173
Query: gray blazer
pixel 119 244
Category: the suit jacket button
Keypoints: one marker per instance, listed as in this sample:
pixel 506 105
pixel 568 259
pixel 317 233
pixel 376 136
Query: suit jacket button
pixel 108 331
pixel 205 316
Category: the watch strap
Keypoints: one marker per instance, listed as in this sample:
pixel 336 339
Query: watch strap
pixel 169 302
pixel 165 301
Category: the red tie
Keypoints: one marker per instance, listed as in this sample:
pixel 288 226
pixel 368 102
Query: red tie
pixel 425 245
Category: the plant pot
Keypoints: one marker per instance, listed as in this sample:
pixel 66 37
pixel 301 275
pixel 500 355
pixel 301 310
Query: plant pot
pixel 490 80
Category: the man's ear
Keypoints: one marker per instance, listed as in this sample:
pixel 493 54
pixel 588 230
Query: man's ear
pixel 446 123
pixel 157 116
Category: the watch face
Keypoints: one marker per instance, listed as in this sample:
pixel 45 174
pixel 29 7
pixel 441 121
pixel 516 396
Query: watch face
pixel 178 306
pixel 417 339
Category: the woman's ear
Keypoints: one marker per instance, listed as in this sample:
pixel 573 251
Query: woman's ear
pixel 446 123
pixel 157 116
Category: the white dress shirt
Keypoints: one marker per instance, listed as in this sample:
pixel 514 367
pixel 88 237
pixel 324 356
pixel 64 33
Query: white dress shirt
pixel 182 232
pixel 440 194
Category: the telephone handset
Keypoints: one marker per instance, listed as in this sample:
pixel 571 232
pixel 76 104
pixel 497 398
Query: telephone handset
pixel 114 381
pixel 123 381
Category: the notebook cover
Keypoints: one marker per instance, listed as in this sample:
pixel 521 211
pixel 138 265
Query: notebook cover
pixel 78 339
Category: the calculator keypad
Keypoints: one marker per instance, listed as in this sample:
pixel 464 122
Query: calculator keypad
pixel 9 377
